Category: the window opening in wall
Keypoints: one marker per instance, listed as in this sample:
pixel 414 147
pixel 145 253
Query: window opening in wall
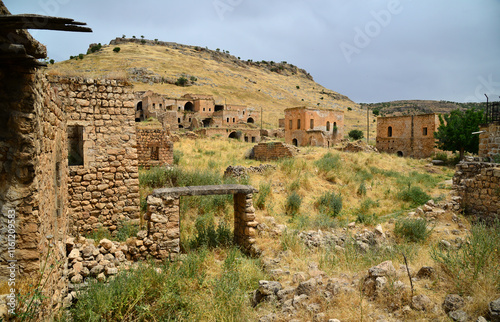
pixel 246 138
pixel 295 142
pixel 290 125
pixel 328 126
pixel 243 112
pixel 250 120
pixel 253 139
pixel 75 145
pixel 139 106
pixel 210 109
pixel 424 131
pixel 219 108
pixel 179 120
pixel 298 124
pixel 400 154
pixel 161 105
pixel 155 153
pixel 228 120
pixel 234 120
pixel 311 125
pixel 203 109
pixel 154 105
pixel 189 107
pixel 389 131
pixel 189 119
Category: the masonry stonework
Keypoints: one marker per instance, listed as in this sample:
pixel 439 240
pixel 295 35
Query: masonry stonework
pixel 103 184
pixel 489 140
pixel 407 136
pixel 478 184
pixel 313 126
pixel 154 147
pixel 33 174
pixel 266 151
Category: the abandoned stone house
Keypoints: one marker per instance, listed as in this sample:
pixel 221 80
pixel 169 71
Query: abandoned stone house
pixel 489 137
pixel 313 126
pixel 193 111
pixel 407 136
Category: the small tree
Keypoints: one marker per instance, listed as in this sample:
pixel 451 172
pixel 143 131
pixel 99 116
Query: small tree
pixel 455 131
pixel 116 49
pixel 356 134
pixel 181 81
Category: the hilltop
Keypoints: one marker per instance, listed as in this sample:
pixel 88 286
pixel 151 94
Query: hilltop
pixel 407 107
pixel 156 65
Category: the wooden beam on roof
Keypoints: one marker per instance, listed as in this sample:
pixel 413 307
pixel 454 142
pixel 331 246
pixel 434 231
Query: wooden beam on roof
pixel 31 21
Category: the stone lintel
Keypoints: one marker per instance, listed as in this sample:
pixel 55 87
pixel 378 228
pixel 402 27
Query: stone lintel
pixel 225 189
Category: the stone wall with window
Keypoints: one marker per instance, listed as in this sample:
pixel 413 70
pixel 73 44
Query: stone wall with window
pixel 407 136
pixel 489 141
pixel 154 147
pixel 103 183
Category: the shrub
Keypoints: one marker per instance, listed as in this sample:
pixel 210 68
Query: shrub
pixel 80 56
pixel 414 195
pixel 193 79
pixel 264 192
pixel 52 61
pixel 412 230
pixel 94 48
pixel 181 81
pixel 177 156
pixel 209 236
pixel 293 202
pixel 475 265
pixel 356 134
pixel 330 204
pixel 328 162
pixel 116 49
pixel 362 189
pixel 127 230
pixel 349 108
pixel 298 87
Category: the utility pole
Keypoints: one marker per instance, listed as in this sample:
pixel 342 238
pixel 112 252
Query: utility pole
pixel 367 125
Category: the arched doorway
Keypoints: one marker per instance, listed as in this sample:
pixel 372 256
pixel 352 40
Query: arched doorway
pixel 295 142
pixel 400 154
pixel 207 122
pixel 189 107
pixel 328 126
pixel 389 133
pixel 139 106
pixel 250 120
pixel 233 135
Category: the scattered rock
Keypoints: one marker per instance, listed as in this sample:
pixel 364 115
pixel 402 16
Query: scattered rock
pixel 421 303
pixel 453 302
pixel 494 310
pixel 307 287
pixel 459 316
pixel 426 272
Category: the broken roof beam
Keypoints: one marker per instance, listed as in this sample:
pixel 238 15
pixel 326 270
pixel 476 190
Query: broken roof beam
pixel 31 21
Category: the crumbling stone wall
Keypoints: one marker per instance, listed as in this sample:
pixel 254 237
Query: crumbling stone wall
pixel 265 151
pixel 489 141
pixel 246 135
pixel 104 188
pixel 153 147
pixel 408 136
pixel 478 183
pixel 163 235
pixel 33 175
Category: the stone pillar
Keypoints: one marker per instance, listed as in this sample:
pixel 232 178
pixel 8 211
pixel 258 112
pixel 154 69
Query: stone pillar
pixel 244 223
pixel 163 226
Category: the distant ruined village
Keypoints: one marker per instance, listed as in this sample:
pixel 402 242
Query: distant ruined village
pixel 71 149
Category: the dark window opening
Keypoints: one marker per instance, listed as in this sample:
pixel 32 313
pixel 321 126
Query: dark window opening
pixel 179 120
pixel 400 154
pixel 328 126
pixel 246 138
pixel 291 124
pixel 233 135
pixel 228 120
pixel 253 139
pixel 139 106
pixel 210 109
pixel 155 153
pixel 424 132
pixel 234 120
pixel 250 120
pixel 189 107
pixel 389 131
pixel 203 109
pixel 311 125
pixel 219 108
pixel 207 122
pixel 75 145
pixel 154 105
pixel 295 142
pixel 298 124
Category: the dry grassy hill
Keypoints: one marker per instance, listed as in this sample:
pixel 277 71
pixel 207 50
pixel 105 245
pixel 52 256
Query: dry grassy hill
pixel 154 65
pixel 408 107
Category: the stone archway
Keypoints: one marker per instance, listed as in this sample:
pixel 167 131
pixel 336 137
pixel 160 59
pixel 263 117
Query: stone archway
pixel 400 154
pixel 163 216
pixel 234 135
pixel 295 142
pixel 250 120
pixel 189 107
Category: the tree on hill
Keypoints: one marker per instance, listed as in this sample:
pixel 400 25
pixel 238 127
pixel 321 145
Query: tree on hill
pixel 455 131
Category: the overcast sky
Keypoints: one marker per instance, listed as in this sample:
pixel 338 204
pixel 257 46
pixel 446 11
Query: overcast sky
pixel 371 51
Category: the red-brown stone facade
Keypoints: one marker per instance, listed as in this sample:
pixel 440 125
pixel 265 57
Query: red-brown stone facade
pixel 313 126
pixel 407 136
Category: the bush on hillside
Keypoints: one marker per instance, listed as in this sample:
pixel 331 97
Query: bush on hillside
pixel 356 134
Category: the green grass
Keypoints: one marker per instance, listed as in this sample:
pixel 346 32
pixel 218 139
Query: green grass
pixel 328 162
pixel 412 230
pixel 330 204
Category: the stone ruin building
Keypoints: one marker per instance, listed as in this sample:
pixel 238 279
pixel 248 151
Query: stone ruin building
pixel 489 136
pixel 34 171
pixel 407 136
pixel 313 126
pixel 201 113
